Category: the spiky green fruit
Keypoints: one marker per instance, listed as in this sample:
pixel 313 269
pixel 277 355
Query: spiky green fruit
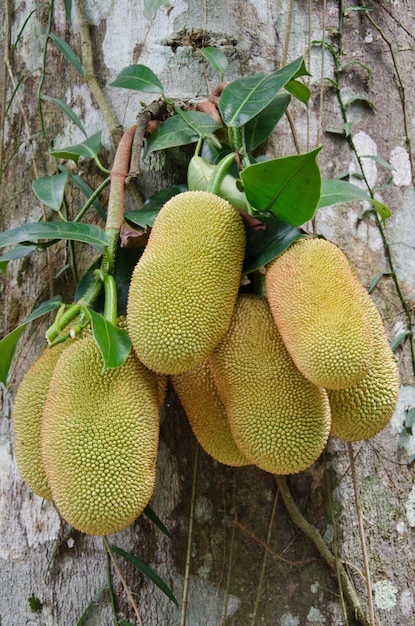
pixel 360 412
pixel 314 297
pixel 206 414
pixel 184 287
pixel 28 408
pixel 279 420
pixel 99 439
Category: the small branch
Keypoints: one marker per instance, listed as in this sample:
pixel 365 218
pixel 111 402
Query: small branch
pixel 89 74
pixel 362 537
pixel 312 533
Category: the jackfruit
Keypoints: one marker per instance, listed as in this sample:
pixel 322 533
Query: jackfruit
pixel 206 414
pixel 360 412
pixel 314 299
pixel 99 439
pixel 279 420
pixel 27 417
pixel 184 287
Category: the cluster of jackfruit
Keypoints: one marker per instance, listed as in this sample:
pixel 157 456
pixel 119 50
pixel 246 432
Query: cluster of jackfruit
pixel 263 379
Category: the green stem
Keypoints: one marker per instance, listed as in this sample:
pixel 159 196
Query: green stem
pixel 236 138
pixel 91 199
pixel 110 306
pixel 219 173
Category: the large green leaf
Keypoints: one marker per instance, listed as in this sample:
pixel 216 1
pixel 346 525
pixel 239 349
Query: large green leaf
pixel 67 52
pixel 138 78
pixel 142 217
pixel 88 149
pixel 38 231
pixel 335 191
pixel 114 343
pixel 258 129
pixel 9 342
pixel 145 569
pixel 288 187
pixel 176 132
pixel 51 189
pixel 200 172
pixel 245 97
pixel 17 253
pixel 264 245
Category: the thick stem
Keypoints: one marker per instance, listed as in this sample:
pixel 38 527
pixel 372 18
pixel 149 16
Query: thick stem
pixel 115 212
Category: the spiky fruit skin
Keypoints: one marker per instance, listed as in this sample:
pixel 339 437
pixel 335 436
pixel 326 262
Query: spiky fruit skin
pixel 314 299
pixel 99 439
pixel 27 417
pixel 184 287
pixel 278 419
pixel 206 414
pixel 362 411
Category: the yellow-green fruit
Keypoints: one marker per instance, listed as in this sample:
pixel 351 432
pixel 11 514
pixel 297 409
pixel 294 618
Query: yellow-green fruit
pixel 279 420
pixel 360 412
pixel 206 414
pixel 99 439
pixel 27 417
pixel 184 287
pixel 314 298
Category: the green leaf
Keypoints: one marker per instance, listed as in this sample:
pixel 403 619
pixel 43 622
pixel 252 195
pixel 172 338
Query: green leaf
pixel 259 128
pixel 68 53
pixel 245 97
pixel 138 78
pixel 157 200
pixel 148 511
pixel 262 246
pixel 3 266
pixel 334 191
pixel 9 342
pixel 298 90
pixel 376 280
pixel 51 189
pixel 175 132
pixel 17 253
pixel 145 569
pixel 355 98
pixel 200 172
pixel 114 343
pixel 142 217
pixel 38 231
pixel 87 149
pixel 379 160
pixel 216 59
pixel 67 110
pixel 288 187
pixel 400 340
pixel 68 9
pixel 152 6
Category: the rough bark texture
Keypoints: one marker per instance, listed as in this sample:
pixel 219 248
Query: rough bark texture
pixel 241 528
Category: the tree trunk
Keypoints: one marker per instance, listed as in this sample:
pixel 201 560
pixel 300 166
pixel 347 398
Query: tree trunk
pixel 234 556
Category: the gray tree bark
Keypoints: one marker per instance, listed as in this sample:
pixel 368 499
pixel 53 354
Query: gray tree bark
pixel 233 548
